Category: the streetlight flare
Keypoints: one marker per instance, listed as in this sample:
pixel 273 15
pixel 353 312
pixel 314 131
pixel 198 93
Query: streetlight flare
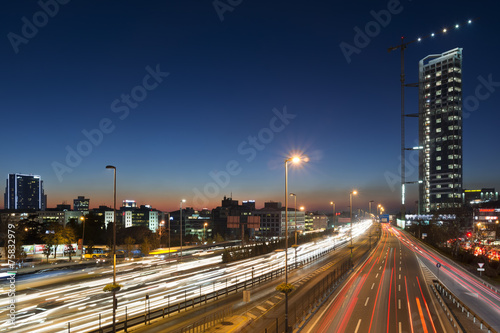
pixel 354 192
pixel 296 159
pixel 444 30
pixel 302 208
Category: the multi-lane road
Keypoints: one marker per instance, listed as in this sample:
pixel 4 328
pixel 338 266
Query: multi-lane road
pixel 80 300
pixel 390 292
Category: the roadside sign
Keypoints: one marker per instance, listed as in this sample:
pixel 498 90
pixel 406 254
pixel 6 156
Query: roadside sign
pixel 481 264
pixel 481 269
pixel 438 265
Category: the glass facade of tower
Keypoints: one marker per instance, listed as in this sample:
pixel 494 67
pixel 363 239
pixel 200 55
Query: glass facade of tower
pixel 440 131
pixel 24 192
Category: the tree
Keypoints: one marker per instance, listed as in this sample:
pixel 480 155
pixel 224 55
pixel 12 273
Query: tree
pixel 47 250
pixel 129 243
pixel 70 250
pixel 146 246
pixel 218 238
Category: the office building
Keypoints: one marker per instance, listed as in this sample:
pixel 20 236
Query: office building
pixel 476 196
pixel 272 220
pixel 81 204
pixel 24 192
pixel 144 216
pixel 440 131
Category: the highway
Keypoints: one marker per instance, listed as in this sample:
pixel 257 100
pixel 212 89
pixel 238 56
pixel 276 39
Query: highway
pixel 81 300
pixel 484 301
pixel 387 293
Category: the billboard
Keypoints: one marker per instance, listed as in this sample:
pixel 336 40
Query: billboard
pixel 253 222
pixel 344 220
pixel 233 222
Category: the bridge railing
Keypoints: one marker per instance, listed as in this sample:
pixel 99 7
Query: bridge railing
pixel 445 293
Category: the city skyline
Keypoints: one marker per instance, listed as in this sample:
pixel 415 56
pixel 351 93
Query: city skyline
pixel 215 105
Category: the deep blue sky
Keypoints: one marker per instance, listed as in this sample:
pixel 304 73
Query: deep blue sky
pixel 225 78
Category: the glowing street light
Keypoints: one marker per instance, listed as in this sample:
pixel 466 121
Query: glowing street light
pixel 295 211
pixel 350 207
pixel 82 218
pixel 295 160
pixel 180 219
pixel 115 303
pixel 205 230
pixel 334 213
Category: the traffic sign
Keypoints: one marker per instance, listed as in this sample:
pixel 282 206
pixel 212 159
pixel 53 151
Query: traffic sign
pixel 481 264
pixel 438 265
pixel 481 269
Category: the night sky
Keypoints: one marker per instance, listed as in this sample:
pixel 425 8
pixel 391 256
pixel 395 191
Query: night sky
pixel 177 93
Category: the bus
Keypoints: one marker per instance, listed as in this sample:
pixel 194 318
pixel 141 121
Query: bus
pixel 97 251
pixel 161 251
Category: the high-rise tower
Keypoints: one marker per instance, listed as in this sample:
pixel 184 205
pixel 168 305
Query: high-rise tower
pixel 24 192
pixel 440 131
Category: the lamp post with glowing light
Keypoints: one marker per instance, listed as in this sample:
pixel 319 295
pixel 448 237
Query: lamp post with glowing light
pixel 295 213
pixel 295 160
pixel 180 219
pixel 350 209
pixel 205 230
pixel 334 213
pixel 115 304
pixel 82 218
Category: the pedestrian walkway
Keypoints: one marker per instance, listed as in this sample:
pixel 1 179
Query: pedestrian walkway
pixel 232 324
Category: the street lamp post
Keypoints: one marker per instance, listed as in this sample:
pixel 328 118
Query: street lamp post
pixel 295 159
pixel 162 225
pixel 205 231
pixel 83 235
pixel 350 208
pixel 295 213
pixel 334 213
pixel 114 244
pixel 370 208
pixel 168 235
pixel 180 219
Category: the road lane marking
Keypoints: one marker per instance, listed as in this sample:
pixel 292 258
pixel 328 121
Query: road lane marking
pixel 373 285
pixel 376 276
pixel 357 326
pixel 400 330
pixel 367 300
pixel 399 287
pixel 409 309
pixel 400 268
pixel 269 302
pixel 422 319
pixel 251 315
pixel 400 276
pixel 399 303
pixel 261 308
pixel 380 268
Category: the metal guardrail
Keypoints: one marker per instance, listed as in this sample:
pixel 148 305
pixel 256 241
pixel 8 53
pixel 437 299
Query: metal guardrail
pixel 444 292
